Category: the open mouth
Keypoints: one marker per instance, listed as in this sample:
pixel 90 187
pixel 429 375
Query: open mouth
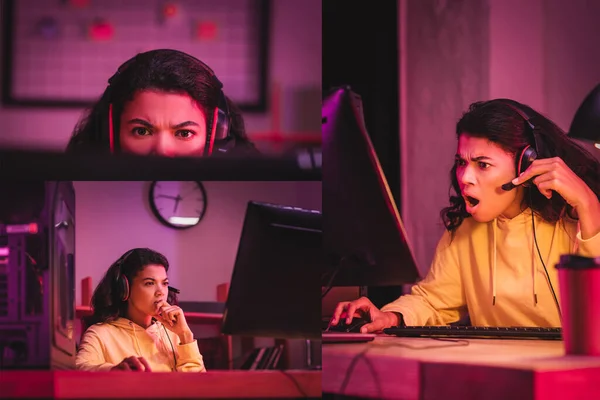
pixel 471 201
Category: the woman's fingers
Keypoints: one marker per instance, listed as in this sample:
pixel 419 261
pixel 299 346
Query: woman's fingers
pixel 133 363
pixel 143 361
pixel 136 364
pixel 375 326
pixel 339 310
pixel 170 315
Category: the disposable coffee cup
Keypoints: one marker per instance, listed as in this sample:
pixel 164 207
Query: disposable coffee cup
pixel 579 284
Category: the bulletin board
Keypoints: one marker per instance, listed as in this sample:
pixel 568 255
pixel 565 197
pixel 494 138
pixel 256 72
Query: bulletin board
pixel 60 53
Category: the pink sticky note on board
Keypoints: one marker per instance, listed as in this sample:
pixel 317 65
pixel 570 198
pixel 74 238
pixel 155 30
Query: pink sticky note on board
pixel 207 30
pixel 169 10
pixel 101 30
pixel 79 3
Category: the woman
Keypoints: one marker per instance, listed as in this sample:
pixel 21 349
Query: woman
pixel 133 328
pixel 163 102
pixel 504 233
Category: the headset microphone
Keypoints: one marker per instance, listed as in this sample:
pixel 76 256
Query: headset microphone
pixel 508 186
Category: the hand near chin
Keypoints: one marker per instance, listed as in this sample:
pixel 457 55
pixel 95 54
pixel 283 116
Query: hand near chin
pixel 173 319
pixel 552 174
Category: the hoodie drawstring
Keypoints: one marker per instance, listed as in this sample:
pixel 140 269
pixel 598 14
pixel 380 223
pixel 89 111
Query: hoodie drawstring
pixel 494 265
pixel 533 262
pixel 534 254
pixel 136 339
pixel 165 345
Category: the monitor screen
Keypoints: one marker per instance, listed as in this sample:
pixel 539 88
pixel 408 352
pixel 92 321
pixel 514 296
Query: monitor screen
pixel 274 290
pixel 62 256
pixel 364 238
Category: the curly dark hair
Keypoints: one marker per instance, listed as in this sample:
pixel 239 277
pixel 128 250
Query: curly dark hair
pixel 165 70
pixel 107 304
pixel 498 121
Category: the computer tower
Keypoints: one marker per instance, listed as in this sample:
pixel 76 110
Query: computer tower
pixel 37 275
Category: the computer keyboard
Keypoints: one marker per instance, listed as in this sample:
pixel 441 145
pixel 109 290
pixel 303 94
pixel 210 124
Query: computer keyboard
pixel 476 332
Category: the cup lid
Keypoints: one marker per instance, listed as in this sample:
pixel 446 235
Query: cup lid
pixel 575 261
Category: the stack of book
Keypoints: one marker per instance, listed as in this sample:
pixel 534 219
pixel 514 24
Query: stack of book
pixel 263 358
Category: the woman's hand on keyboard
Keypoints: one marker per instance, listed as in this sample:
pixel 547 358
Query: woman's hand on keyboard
pixel 363 308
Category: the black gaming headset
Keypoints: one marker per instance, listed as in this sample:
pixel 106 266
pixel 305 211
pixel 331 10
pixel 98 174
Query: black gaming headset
pixel 529 153
pixel 122 283
pixel 218 135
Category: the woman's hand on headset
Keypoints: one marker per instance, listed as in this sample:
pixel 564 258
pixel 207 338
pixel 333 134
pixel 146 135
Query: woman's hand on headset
pixel 552 174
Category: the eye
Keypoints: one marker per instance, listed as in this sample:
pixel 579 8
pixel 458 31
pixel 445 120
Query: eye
pixel 185 134
pixel 149 283
pixel 483 165
pixel 460 162
pixel 139 131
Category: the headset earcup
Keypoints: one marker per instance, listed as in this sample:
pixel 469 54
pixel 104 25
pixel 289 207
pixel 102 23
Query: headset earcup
pixel 124 283
pixel 222 130
pixel 528 155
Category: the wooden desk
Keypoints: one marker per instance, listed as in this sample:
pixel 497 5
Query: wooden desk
pixel 419 368
pixel 159 385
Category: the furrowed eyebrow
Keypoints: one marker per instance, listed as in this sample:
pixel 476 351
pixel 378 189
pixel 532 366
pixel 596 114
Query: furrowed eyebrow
pixel 141 122
pixel 150 126
pixel 184 124
pixel 478 158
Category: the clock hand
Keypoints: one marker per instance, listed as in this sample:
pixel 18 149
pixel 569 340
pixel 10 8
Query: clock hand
pixel 168 197
pixel 185 195
pixel 191 191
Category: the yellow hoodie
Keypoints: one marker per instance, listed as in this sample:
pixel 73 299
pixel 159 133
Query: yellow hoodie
pixel 105 345
pixel 493 271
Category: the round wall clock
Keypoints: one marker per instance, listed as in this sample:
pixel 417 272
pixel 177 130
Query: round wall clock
pixel 178 204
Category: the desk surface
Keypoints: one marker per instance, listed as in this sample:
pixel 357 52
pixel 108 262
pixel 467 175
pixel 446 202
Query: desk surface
pixel 156 385
pixel 420 368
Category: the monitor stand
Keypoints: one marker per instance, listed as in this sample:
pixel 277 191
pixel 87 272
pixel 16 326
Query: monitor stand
pixel 358 260
pixel 309 358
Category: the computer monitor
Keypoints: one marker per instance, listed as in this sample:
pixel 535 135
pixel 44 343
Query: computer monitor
pixel 274 290
pixel 364 237
pixel 586 122
pixel 585 127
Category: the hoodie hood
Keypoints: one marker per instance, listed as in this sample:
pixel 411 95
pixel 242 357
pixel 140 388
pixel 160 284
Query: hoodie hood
pixel 155 332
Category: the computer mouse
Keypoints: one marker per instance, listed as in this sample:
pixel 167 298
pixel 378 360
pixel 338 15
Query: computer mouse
pixel 352 327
